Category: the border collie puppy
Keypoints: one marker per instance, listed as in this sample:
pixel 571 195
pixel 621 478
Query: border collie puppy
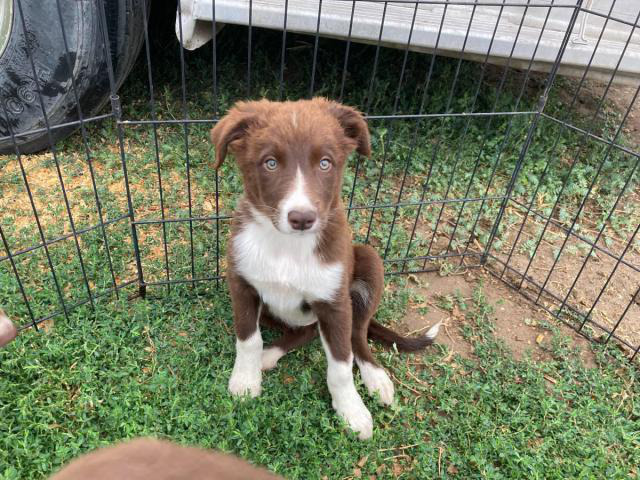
pixel 291 260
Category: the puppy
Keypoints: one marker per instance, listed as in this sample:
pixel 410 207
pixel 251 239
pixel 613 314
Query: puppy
pixel 291 261
pixel 150 459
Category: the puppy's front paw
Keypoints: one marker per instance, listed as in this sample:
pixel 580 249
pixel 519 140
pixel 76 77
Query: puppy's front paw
pixel 377 381
pixel 353 411
pixel 245 381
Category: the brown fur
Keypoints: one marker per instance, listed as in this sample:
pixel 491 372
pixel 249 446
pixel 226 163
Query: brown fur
pixel 150 459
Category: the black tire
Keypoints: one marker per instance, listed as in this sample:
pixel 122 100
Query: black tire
pixel 21 107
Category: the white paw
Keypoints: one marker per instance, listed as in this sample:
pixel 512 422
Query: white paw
pixel 270 357
pixel 245 381
pixel 377 381
pixel 353 411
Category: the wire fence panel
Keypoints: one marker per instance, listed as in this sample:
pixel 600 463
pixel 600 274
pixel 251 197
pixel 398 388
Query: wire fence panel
pixel 485 153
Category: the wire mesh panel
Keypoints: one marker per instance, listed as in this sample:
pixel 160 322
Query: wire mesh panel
pixel 483 155
pixel 572 246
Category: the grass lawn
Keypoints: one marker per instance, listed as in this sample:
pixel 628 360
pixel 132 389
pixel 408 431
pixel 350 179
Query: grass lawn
pixel 159 366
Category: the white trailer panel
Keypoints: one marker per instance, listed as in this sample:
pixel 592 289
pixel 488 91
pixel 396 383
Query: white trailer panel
pixel 491 28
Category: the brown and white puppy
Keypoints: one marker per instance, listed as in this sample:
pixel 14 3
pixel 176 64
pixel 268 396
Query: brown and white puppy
pixel 150 459
pixel 291 261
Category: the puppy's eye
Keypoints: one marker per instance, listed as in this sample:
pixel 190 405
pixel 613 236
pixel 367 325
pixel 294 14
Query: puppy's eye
pixel 271 163
pixel 325 164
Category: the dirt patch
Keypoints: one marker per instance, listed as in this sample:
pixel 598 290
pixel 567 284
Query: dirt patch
pixel 44 183
pixel 517 322
pixel 433 287
pixel 581 279
pixel 592 281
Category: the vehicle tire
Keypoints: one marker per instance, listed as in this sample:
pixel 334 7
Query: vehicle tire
pixel 21 106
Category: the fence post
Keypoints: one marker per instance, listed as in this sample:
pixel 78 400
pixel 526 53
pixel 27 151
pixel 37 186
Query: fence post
pixel 542 101
pixel 117 113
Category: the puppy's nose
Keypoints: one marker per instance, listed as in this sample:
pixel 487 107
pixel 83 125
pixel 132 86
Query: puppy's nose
pixel 301 220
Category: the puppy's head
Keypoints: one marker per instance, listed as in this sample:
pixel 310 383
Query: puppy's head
pixel 292 157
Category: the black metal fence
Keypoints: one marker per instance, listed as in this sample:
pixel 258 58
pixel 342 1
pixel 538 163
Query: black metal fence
pixel 527 174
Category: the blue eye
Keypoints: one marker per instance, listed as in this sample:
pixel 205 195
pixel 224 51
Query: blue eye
pixel 271 163
pixel 325 164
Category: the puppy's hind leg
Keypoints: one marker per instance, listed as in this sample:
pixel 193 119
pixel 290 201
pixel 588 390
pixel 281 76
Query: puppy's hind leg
pixel 291 339
pixel 366 291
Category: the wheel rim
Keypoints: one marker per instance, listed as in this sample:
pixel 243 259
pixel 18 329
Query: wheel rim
pixel 6 21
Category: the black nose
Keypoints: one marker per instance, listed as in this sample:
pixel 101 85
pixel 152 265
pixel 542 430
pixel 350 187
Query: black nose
pixel 301 220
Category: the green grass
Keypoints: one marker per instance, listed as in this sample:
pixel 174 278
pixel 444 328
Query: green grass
pixel 161 367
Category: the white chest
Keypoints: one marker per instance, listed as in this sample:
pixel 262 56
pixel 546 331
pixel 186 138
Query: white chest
pixel 284 270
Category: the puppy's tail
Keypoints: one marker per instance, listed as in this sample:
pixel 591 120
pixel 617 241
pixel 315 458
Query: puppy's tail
pixel 388 337
pixel 366 290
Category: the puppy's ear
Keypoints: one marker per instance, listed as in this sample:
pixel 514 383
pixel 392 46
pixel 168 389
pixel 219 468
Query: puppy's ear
pixel 231 128
pixel 354 125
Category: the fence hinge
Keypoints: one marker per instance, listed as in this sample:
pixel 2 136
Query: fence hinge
pixel 115 106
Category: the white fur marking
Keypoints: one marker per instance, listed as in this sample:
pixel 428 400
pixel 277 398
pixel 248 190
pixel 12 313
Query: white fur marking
pixel 247 369
pixel 296 199
pixel 284 269
pixel 432 333
pixel 270 357
pixel 377 381
pixel 362 289
pixel 345 399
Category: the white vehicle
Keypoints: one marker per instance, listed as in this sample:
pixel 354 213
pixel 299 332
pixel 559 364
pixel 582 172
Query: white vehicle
pixel 502 28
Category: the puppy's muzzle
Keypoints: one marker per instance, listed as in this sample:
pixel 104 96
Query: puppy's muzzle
pixel 302 219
